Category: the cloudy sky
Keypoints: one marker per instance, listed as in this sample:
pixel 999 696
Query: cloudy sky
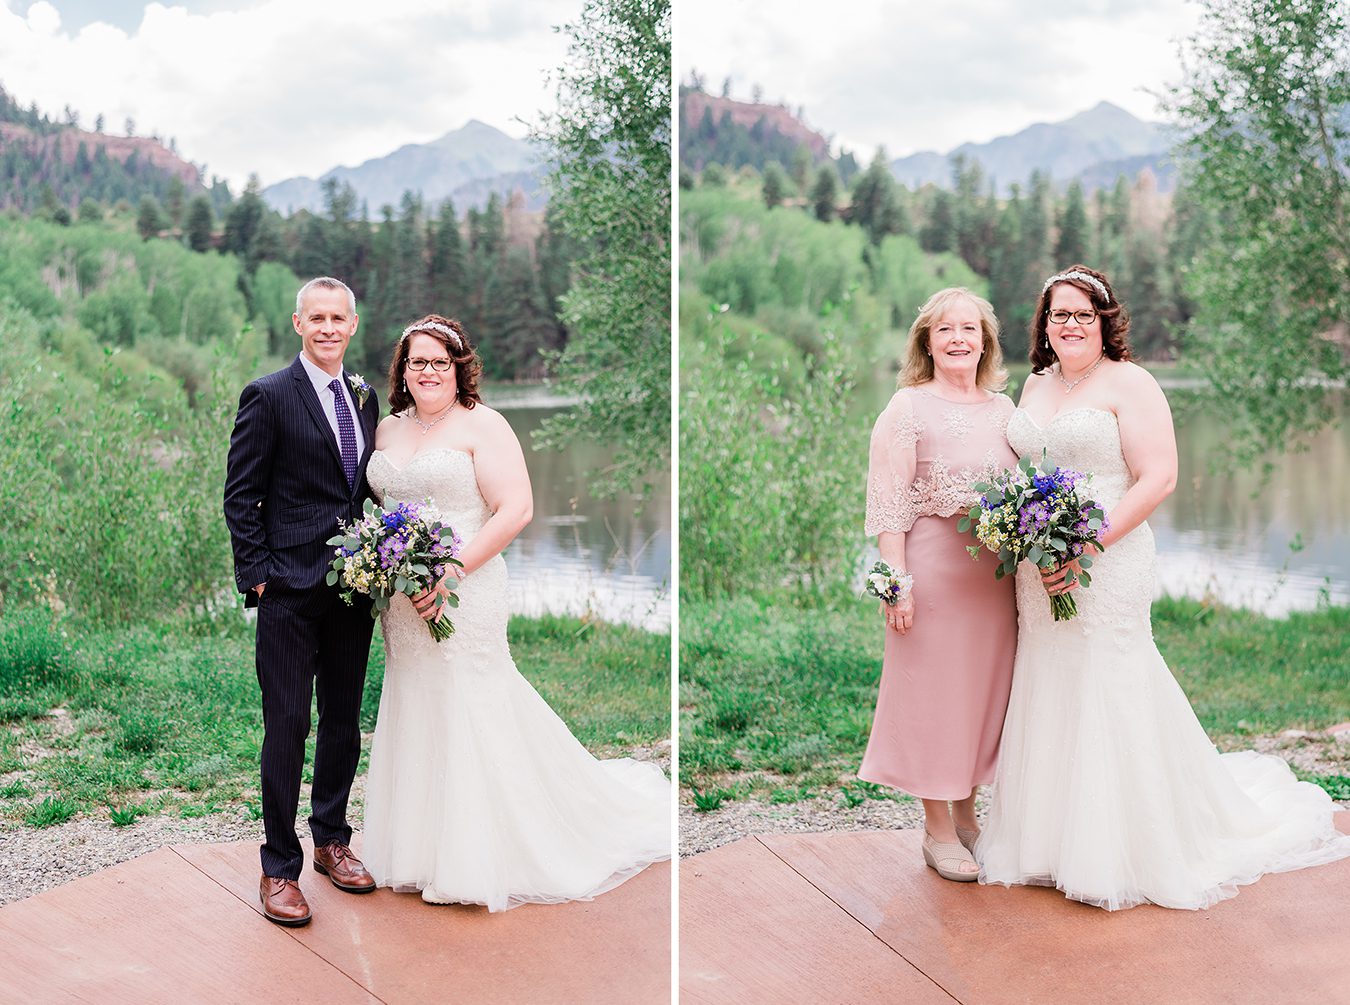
pixel 917 76
pixel 285 87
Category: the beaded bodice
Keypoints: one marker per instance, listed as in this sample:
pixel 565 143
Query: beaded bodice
pixel 445 478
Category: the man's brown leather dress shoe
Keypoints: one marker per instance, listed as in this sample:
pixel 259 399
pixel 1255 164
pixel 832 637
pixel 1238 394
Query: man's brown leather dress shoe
pixel 336 861
pixel 283 902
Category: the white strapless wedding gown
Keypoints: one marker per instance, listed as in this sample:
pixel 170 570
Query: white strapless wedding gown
pixel 1107 786
pixel 477 792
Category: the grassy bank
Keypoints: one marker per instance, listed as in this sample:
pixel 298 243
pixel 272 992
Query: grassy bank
pixel 122 722
pixel 777 701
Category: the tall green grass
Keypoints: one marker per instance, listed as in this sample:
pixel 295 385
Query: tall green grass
pixel 159 718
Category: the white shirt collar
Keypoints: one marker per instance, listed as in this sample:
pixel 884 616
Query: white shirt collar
pixel 317 377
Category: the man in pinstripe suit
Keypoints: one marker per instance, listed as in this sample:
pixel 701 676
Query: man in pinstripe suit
pixel 296 466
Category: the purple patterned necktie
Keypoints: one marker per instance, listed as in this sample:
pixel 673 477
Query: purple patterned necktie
pixel 346 431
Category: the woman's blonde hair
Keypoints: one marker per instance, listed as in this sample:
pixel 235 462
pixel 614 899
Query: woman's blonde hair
pixel 917 367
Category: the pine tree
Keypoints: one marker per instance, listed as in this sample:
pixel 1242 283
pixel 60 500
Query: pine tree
pixel 825 193
pixel 200 222
pixel 149 218
pixel 874 204
pixel 939 233
pixel 775 184
pixel 1072 245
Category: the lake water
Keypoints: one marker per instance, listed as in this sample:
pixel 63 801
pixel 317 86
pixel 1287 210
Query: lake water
pixel 1274 546
pixel 582 554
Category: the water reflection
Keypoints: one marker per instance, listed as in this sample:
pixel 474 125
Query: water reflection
pixel 580 554
pixel 1274 546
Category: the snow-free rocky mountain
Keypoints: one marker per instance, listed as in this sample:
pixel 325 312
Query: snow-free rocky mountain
pixel 1080 146
pixel 467 165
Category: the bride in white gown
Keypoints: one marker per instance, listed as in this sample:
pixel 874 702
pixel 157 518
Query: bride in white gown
pixel 477 792
pixel 1107 786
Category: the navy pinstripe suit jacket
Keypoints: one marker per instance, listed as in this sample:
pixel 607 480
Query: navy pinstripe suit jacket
pixel 285 489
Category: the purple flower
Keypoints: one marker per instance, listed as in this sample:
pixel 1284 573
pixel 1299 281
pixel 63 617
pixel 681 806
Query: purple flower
pixel 391 551
pixel 1033 516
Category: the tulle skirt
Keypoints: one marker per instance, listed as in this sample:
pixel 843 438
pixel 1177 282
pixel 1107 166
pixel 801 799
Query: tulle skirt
pixel 1107 786
pixel 478 793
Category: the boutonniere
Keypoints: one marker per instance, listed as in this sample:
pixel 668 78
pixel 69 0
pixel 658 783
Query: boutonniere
pixel 360 389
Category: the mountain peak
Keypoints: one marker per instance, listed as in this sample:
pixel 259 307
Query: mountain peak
pixel 1103 133
pixel 475 154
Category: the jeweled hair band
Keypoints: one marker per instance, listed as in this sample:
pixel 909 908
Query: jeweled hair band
pixel 1092 281
pixel 434 326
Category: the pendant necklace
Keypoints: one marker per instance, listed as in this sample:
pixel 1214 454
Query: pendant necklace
pixel 426 426
pixel 1060 374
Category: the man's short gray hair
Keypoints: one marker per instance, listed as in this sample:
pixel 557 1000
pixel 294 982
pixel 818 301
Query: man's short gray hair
pixel 325 283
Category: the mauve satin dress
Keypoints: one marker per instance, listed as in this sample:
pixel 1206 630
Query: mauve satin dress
pixel 944 684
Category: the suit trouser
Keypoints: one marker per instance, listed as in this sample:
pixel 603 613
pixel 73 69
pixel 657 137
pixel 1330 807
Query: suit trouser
pixel 307 641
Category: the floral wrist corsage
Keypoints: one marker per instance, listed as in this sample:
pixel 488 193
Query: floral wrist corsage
pixel 887 585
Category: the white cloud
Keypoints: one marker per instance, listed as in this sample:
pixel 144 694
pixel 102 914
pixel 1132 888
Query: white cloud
pixel 917 76
pixel 286 87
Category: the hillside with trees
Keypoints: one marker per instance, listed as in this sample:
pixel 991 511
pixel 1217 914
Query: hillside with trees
pixel 500 268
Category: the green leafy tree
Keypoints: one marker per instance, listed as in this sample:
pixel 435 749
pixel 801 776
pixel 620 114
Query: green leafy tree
pixel 610 139
pixel 714 176
pixel 1265 106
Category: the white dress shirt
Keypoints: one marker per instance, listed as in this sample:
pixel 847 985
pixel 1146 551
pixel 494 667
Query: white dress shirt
pixel 321 380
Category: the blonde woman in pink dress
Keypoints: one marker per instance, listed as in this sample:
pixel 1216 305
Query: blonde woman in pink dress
pixel 949 645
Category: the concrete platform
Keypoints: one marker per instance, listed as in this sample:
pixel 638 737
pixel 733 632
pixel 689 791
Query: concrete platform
pixel 184 924
pixel 857 918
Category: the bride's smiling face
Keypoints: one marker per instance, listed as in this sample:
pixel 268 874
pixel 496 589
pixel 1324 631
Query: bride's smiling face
pixel 1075 343
pixel 431 389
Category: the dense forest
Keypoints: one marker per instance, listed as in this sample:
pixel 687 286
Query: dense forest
pixel 500 269
pixel 1142 238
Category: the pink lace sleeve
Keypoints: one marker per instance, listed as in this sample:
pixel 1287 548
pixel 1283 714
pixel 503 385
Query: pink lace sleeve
pixel 890 469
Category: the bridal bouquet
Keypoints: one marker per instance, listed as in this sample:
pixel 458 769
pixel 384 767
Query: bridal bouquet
pixel 400 549
pixel 1037 512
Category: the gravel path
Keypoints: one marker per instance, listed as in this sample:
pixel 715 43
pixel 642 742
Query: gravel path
pixel 35 860
pixel 1318 753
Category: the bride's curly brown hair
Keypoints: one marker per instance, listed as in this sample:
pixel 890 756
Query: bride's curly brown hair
pixel 468 367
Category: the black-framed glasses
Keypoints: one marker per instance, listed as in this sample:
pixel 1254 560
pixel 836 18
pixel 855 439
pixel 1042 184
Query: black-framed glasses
pixel 1062 317
pixel 439 364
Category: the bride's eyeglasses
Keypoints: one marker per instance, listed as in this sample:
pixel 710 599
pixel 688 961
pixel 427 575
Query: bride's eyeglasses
pixel 439 364
pixel 1062 317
